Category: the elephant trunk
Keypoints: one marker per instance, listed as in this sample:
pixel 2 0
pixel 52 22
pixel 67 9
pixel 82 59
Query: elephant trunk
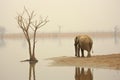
pixel 75 49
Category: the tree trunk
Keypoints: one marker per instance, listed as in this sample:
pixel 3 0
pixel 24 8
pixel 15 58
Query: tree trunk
pixel 29 43
pixel 32 58
pixel 30 52
pixel 34 41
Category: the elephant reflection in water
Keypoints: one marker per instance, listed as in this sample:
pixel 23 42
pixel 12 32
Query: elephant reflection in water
pixel 82 74
pixel 32 70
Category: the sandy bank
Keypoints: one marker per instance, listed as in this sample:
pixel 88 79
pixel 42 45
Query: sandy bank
pixel 111 61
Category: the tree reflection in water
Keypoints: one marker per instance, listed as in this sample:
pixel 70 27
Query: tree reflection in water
pixel 81 74
pixel 32 70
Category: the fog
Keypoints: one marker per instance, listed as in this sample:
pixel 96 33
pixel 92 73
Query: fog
pixel 70 15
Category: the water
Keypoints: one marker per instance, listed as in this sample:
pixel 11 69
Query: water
pixel 12 51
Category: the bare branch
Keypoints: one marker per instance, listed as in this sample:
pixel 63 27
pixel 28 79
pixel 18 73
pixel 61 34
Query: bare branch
pixel 26 11
pixel 44 22
pixel 41 23
pixel 32 28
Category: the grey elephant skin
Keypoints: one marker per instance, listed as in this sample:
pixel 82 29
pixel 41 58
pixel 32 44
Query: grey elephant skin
pixel 83 42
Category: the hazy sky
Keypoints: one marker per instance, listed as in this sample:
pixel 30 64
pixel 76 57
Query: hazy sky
pixel 71 15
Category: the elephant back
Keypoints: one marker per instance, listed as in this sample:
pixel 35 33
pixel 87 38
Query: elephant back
pixel 85 42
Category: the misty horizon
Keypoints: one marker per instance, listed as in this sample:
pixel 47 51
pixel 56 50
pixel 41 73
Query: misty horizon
pixel 64 16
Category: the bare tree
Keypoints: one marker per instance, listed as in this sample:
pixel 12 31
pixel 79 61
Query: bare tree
pixel 27 22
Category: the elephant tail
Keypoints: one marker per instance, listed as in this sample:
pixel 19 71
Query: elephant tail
pixel 91 47
pixel 92 50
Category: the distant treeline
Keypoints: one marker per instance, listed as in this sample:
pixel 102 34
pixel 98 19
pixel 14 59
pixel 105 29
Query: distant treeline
pixel 54 35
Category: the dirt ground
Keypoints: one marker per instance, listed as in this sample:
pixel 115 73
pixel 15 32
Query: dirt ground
pixel 111 61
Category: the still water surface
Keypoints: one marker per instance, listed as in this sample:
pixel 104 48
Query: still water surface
pixel 13 51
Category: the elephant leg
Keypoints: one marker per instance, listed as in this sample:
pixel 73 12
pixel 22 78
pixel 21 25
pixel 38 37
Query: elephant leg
pixel 78 54
pixel 82 52
pixel 89 55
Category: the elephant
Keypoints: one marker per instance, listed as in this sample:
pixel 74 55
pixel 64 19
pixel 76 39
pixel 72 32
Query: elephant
pixel 83 42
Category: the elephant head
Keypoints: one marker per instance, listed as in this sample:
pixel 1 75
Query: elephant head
pixel 83 42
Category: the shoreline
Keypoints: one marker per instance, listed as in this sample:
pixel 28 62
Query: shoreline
pixel 111 61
